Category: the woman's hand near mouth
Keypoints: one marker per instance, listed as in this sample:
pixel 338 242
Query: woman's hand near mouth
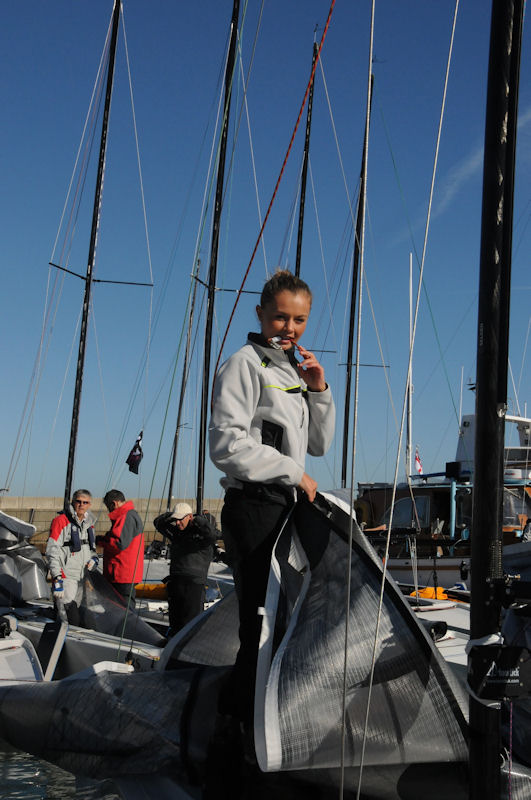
pixel 311 370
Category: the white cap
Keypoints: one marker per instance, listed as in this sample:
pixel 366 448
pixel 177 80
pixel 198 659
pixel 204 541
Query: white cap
pixel 181 510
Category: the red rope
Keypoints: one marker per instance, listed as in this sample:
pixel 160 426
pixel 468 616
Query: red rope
pixel 240 290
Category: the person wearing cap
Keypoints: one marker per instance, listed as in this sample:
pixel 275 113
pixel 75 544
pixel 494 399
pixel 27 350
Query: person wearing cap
pixel 192 539
pixel 123 545
pixel 71 547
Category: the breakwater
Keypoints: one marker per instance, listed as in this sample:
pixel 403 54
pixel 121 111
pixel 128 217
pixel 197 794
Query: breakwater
pixel 41 510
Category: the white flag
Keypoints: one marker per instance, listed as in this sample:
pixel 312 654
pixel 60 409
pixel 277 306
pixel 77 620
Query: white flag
pixel 418 462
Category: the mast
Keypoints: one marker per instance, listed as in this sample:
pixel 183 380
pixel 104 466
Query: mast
pixel 491 376
pixel 304 175
pixel 183 391
pixel 214 259
pixel 91 257
pixel 409 437
pixel 353 295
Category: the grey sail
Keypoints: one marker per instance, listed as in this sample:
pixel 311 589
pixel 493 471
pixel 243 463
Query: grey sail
pixel 22 569
pixel 301 684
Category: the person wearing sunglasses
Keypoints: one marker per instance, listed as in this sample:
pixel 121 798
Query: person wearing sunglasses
pixel 70 548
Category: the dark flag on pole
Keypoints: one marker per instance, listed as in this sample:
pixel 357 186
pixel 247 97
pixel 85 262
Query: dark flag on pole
pixel 135 456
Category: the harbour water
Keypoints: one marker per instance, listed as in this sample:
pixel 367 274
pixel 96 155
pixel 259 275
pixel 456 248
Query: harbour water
pixel 23 777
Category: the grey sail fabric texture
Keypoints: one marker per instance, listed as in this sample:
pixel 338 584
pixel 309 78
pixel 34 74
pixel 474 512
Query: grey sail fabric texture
pixel 300 687
pixel 210 640
pixel 103 609
pixel 102 726
pixel 22 568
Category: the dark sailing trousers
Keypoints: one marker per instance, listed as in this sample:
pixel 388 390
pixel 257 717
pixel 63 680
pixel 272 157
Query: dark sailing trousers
pixel 250 521
pixel 186 599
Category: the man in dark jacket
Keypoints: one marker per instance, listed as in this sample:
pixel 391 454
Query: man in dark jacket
pixel 191 549
pixel 123 545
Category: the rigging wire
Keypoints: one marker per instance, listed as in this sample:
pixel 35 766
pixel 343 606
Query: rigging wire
pixel 420 391
pixel 398 455
pixel 54 288
pixel 60 398
pixel 364 279
pixel 285 246
pixel 516 400
pixel 279 179
pixel 94 105
pixel 207 194
pixel 362 201
pixel 144 213
pixel 426 293
pixel 253 163
pixel 53 294
pixel 336 140
pixel 321 250
pixel 229 169
pixel 524 355
pixel 102 382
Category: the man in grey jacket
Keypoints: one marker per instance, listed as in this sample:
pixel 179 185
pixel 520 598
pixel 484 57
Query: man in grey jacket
pixel 70 548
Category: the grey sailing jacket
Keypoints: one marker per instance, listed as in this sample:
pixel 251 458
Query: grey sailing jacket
pixel 265 420
pixel 64 560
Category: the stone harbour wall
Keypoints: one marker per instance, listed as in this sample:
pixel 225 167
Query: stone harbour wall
pixel 41 510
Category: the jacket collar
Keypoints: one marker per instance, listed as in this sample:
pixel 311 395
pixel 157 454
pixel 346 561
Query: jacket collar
pixel 264 348
pixel 123 509
pixel 88 520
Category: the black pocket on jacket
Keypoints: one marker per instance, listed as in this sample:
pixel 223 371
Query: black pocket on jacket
pixel 272 435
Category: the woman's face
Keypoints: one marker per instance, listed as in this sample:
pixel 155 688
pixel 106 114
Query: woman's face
pixel 285 316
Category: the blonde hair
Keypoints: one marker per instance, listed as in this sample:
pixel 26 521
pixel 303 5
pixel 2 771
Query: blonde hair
pixel 283 281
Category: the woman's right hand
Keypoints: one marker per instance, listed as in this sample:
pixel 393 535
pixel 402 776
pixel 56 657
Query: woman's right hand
pixel 309 487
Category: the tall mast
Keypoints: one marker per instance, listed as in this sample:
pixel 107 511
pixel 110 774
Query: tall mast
pixel 91 256
pixel 409 437
pixel 353 295
pixel 183 391
pixel 304 175
pixel 491 375
pixel 214 259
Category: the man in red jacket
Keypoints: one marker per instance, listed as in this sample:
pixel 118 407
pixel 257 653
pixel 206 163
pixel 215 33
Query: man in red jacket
pixel 123 545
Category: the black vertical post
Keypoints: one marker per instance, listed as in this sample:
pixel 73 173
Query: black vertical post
pixel 91 256
pixel 353 295
pixel 304 175
pixel 182 392
pixel 214 260
pixel 491 378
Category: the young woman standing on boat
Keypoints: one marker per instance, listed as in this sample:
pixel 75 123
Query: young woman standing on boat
pixel 269 410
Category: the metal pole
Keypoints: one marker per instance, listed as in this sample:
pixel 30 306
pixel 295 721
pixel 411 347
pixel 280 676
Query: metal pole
pixel 91 257
pixel 304 174
pixel 353 295
pixel 491 378
pixel 182 393
pixel 214 260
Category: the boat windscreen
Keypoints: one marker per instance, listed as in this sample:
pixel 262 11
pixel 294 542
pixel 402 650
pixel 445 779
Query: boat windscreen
pixel 516 504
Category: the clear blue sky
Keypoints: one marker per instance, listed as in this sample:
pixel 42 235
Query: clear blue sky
pixel 50 53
